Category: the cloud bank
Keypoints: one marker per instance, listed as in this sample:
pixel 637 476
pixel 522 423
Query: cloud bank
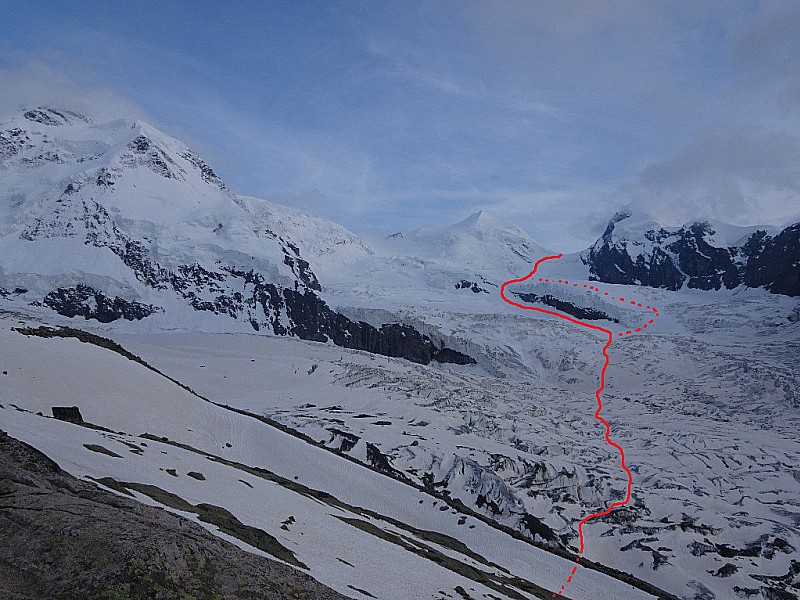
pixel 740 175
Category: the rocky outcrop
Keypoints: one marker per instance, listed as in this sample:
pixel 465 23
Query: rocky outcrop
pixel 52 117
pixel 342 441
pixel 84 301
pixel 70 414
pixel 312 319
pixel 143 152
pixel 383 463
pixel 706 267
pixel 689 256
pixel 65 538
pixel 206 173
pixel 301 269
pixel 12 142
pixel 4 293
pixel 246 295
pixel 775 262
pixel 470 285
pixel 579 312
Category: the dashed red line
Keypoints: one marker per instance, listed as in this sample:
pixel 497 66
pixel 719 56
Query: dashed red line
pixel 607 436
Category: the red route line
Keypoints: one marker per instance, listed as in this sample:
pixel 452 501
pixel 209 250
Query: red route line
pixel 610 338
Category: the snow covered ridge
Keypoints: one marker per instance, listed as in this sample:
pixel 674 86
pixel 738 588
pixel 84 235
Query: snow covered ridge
pixel 259 487
pixel 118 221
pixel 701 255
pixel 151 551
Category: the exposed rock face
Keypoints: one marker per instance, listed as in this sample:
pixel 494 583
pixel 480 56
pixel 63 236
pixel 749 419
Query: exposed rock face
pixel 303 314
pixel 71 414
pixel 690 257
pixel 382 462
pixel 143 152
pixel 83 301
pixel 65 538
pixel 775 264
pixel 343 441
pixel 313 320
pixel 579 312
pixel 470 285
pixel 206 172
pixel 447 355
pixel 55 118
pixel 4 293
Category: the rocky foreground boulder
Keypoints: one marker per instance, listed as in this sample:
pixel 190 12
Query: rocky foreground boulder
pixel 63 538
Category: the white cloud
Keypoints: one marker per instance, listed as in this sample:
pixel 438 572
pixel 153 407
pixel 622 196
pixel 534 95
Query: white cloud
pixel 33 83
pixel 740 175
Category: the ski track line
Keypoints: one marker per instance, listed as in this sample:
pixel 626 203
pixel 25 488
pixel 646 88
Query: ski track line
pixel 610 338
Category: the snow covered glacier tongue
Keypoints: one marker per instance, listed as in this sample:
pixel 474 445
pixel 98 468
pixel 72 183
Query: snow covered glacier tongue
pixel 125 222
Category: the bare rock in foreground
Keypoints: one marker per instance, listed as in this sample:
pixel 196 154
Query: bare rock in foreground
pixel 65 538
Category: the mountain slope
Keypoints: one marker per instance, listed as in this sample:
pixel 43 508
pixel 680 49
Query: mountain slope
pixel 701 255
pixel 118 221
pixel 124 226
pixel 350 527
pixel 58 543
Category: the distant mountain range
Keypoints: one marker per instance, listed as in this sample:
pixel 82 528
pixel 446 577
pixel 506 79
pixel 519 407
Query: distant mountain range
pixel 359 469
pixel 117 221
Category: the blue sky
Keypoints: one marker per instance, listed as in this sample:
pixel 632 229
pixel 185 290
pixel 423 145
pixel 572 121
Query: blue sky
pixel 392 115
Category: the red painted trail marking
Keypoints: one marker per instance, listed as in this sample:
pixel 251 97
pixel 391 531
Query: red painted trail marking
pixel 609 338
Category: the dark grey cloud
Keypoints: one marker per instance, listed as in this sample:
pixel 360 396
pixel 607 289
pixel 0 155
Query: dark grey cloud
pixel 740 175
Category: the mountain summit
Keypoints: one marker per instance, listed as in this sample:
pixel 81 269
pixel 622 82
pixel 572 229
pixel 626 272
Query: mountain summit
pixel 482 243
pixel 706 255
pixel 484 220
pixel 120 222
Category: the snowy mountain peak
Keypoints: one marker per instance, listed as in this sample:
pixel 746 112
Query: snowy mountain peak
pixel 490 225
pixel 128 209
pixel 54 118
pixel 483 243
pixel 630 222
pixel 484 220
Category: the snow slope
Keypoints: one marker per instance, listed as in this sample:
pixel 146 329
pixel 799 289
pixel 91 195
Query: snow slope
pixel 325 531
